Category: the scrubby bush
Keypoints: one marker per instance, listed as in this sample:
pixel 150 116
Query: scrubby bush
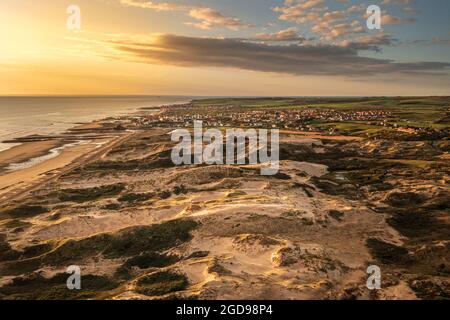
pixel 165 194
pixel 161 283
pixel 387 253
pixel 135 197
pixel 151 259
pixel 180 190
pixel 24 211
pixel 36 287
pixel 126 243
pixel 82 195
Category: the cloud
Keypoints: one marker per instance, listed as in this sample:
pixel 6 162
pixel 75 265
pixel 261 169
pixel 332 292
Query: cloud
pixel 207 18
pixel 397 2
pixel 210 18
pixel 327 60
pixel 389 19
pixel 410 10
pixel 357 8
pixel 405 4
pixel 328 24
pixel 437 40
pixel 153 5
pixel 344 22
pixel 290 34
pixel 296 10
pixel 433 41
pixel 370 42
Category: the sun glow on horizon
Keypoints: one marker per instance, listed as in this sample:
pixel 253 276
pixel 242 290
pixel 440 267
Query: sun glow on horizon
pixel 110 55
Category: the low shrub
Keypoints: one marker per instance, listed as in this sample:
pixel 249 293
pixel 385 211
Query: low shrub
pixel 161 283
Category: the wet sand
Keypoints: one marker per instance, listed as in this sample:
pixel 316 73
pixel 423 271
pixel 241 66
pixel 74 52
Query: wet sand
pixel 22 178
pixel 26 151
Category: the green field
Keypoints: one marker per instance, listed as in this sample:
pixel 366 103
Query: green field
pixel 416 112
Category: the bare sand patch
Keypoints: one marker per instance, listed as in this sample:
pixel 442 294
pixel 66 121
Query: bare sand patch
pixel 81 226
pixel 311 169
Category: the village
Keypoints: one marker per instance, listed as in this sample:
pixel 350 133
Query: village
pixel 308 119
pixel 305 119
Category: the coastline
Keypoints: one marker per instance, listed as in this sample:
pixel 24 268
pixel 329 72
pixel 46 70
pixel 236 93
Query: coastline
pixel 32 157
pixel 120 186
pixel 25 151
pixel 25 148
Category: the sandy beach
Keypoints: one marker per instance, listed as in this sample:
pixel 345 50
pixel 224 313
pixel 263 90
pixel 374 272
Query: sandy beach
pixel 26 151
pixel 23 178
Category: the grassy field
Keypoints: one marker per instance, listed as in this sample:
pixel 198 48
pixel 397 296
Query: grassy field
pixel 419 112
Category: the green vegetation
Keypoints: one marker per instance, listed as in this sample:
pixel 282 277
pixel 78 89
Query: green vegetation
pixel 131 242
pixel 6 252
pixel 165 194
pixel 36 250
pixel 281 176
pixel 83 195
pixel 350 127
pixel 152 238
pixel 414 223
pixel 336 215
pixel 217 268
pixel 134 198
pixel 36 287
pixel 24 211
pixel 126 243
pixel 429 290
pixel 161 283
pixel 387 253
pixel 236 194
pixel 418 112
pixel 180 190
pixel 111 206
pixel 13 224
pixel 145 261
pixel 307 189
pixel 405 199
pixel 159 161
pixel 151 260
pixel 198 254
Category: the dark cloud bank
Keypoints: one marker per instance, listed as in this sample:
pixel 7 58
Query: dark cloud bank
pixel 295 59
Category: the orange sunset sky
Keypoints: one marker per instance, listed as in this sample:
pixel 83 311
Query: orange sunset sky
pixel 224 47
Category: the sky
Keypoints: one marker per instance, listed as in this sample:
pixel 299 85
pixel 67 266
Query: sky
pixel 224 48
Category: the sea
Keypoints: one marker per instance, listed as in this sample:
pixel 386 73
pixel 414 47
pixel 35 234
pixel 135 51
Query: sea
pixel 23 116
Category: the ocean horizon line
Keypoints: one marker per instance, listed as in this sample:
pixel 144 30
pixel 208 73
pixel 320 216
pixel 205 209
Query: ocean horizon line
pixel 211 97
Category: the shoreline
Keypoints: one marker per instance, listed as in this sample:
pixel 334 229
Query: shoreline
pixel 33 146
pixel 21 178
pixel 31 158
pixel 95 108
